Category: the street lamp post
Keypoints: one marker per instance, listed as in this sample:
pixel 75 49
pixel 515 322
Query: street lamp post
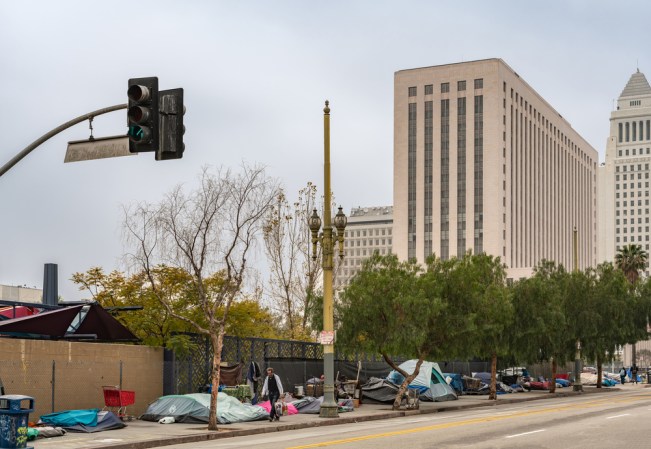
pixel 327 241
pixel 578 386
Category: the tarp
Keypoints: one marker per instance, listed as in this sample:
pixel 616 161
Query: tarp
pixel 194 408
pixel 378 390
pixel 88 420
pixel 429 377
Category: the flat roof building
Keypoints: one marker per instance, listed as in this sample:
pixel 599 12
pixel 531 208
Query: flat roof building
pixel 483 163
pixel 369 229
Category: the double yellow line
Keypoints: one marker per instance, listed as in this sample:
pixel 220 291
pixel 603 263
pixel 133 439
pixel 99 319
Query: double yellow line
pixel 584 405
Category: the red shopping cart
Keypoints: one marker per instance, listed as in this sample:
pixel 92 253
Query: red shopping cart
pixel 116 400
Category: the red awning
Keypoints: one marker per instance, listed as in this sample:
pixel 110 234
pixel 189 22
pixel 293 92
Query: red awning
pixel 96 324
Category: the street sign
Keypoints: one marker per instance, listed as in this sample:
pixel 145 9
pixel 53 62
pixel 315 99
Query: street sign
pixel 327 337
pixel 99 148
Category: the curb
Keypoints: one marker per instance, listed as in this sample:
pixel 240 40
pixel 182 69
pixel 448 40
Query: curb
pixel 226 433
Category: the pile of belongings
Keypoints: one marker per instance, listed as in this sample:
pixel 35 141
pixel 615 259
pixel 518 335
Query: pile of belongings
pixel 312 405
pixel 88 421
pixel 608 379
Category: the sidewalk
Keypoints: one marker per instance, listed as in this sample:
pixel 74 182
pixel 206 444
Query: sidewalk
pixel 145 434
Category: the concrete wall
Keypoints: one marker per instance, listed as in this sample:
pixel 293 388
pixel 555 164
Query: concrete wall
pixel 63 375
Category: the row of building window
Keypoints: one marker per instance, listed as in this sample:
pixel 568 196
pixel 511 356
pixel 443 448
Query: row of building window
pixel 632 167
pixel 633 131
pixel 363 232
pixel 445 87
pixel 639 229
pixel 366 242
pixel 639 220
pixel 641 152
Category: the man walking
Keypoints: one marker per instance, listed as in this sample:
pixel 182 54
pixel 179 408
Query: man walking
pixel 274 388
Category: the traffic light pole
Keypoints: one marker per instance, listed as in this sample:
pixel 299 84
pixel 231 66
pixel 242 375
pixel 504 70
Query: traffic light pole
pixel 5 168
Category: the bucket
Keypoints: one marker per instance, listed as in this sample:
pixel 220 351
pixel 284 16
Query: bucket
pixel 298 391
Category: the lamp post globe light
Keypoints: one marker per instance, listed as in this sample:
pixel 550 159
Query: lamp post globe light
pixel 327 241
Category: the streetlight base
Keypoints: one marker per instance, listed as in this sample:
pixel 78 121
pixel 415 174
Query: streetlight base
pixel 329 407
pixel 328 412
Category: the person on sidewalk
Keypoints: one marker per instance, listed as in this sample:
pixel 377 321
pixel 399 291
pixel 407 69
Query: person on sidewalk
pixel 274 388
pixel 252 378
pixel 622 375
pixel 634 373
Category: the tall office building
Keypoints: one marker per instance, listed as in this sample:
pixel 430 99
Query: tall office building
pixel 368 230
pixel 482 162
pixel 624 177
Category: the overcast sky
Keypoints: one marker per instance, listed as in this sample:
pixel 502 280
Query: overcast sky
pixel 255 75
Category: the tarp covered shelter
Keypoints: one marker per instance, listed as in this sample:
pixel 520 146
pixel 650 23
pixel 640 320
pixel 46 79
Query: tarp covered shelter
pixel 87 421
pixel 194 408
pixel 79 322
pixel 429 381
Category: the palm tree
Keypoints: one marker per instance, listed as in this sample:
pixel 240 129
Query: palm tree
pixel 631 259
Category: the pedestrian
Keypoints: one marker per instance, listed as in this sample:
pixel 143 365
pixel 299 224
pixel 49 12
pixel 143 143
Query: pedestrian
pixel 252 378
pixel 274 388
pixel 634 373
pixel 622 375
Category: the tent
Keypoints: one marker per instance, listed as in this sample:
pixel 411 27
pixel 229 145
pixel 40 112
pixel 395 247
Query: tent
pixel 429 382
pixel 88 421
pixel 194 408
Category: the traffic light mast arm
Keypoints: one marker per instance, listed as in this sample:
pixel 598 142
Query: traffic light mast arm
pixel 5 168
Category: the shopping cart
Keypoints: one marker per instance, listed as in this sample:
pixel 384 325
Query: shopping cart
pixel 116 400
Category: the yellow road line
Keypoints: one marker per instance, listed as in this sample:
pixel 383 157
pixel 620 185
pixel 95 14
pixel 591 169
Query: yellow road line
pixel 589 404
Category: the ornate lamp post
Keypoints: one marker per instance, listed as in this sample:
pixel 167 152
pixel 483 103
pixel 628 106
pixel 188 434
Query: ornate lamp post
pixel 327 241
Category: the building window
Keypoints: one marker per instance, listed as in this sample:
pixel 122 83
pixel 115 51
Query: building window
pixel 461 85
pixel 412 91
pixel 479 83
pixel 445 87
pixel 429 89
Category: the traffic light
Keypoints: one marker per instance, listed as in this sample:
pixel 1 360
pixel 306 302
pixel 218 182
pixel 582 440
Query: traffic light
pixel 171 125
pixel 143 116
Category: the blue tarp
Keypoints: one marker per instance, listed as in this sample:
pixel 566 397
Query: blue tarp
pixel 456 383
pixel 72 418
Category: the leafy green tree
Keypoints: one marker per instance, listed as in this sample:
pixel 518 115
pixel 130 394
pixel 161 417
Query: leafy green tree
pixel 153 324
pixel 383 311
pixel 608 322
pixel 540 330
pixel 632 259
pixel 492 308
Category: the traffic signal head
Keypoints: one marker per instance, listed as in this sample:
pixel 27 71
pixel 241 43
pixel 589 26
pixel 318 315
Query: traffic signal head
pixel 171 125
pixel 143 115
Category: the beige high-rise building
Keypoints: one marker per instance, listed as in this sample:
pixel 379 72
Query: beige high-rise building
pixel 482 162
pixel 624 177
pixel 369 230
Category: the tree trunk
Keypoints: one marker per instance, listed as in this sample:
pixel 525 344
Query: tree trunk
pixel 217 344
pixel 405 384
pixel 552 386
pixel 599 371
pixel 492 394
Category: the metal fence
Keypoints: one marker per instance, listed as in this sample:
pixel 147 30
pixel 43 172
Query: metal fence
pixel 294 361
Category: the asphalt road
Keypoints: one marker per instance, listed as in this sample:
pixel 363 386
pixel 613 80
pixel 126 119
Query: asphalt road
pixel 620 419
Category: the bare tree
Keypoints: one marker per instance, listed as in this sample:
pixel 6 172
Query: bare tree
pixel 293 273
pixel 206 231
